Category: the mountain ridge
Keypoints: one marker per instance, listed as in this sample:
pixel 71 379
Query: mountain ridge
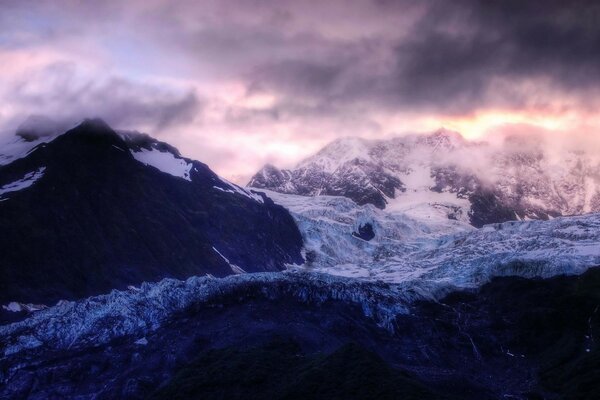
pixel 104 210
pixel 484 183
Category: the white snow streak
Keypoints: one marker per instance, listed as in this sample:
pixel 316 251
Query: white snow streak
pixel 23 183
pixel 165 162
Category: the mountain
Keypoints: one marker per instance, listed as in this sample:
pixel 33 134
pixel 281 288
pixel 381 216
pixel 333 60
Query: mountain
pixel 91 209
pixel 406 299
pixel 470 181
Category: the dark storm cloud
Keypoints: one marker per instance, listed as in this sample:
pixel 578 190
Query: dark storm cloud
pixel 300 77
pixel 457 57
pixel 460 47
pixel 433 55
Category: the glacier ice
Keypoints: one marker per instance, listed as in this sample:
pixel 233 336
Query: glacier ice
pixel 406 248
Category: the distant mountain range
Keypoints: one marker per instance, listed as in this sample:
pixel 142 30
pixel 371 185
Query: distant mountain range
pixel 470 181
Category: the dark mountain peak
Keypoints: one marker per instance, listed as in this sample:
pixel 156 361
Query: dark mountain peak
pixel 95 209
pixel 92 139
pixel 270 167
pixel 93 126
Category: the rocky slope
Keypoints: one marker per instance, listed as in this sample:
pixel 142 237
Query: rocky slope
pixel 472 181
pixel 92 209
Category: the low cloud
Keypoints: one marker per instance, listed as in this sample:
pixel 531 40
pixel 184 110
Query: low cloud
pixel 67 94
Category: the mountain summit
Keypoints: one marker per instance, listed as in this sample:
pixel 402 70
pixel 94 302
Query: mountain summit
pixel 421 175
pixel 93 209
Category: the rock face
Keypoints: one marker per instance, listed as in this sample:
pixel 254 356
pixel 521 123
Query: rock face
pixel 474 181
pixel 343 168
pixel 92 209
pixel 365 232
pixel 511 338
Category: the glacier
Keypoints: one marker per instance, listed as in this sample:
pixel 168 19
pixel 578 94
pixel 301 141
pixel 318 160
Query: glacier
pixel 439 250
pixel 134 313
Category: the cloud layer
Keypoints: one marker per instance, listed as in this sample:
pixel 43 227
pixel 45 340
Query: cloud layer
pixel 237 83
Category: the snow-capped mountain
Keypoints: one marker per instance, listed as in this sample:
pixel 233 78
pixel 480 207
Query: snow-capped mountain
pixel 91 209
pixel 469 181
pixel 162 246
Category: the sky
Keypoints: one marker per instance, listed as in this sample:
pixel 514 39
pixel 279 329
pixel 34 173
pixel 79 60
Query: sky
pixel 240 83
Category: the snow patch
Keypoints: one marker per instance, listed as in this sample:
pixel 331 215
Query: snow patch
pixel 15 306
pixel 17 148
pixel 235 189
pixel 23 183
pixel 222 256
pixel 234 268
pixel 237 269
pixel 165 162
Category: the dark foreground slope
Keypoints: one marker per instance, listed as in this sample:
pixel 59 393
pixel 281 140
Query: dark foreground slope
pixel 280 370
pixel 305 337
pixel 98 219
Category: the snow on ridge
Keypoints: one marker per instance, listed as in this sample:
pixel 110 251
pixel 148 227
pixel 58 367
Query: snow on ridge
pixel 235 189
pixel 18 148
pixel 338 152
pixel 165 162
pixel 222 256
pixel 234 268
pixel 23 183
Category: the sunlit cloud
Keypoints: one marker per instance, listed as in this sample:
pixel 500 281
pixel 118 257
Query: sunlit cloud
pixel 237 84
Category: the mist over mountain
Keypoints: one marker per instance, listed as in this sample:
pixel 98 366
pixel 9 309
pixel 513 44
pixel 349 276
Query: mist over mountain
pixel 521 177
